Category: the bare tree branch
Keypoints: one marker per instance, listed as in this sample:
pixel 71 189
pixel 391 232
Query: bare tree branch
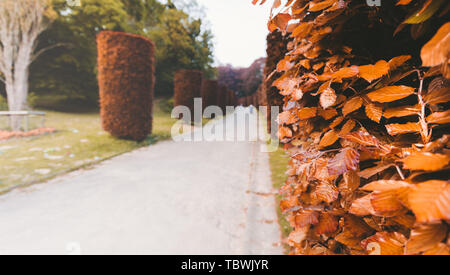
pixel 41 51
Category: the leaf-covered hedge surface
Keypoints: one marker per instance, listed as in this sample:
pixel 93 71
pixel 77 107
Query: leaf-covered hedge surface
pixel 222 97
pixel 210 89
pixel 126 69
pixel 187 87
pixel 276 50
pixel 366 123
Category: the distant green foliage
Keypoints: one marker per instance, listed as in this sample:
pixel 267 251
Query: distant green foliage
pixel 3 104
pixel 69 70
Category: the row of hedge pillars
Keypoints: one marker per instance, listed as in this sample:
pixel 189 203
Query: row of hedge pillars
pixel 126 77
pixel 189 84
pixel 251 100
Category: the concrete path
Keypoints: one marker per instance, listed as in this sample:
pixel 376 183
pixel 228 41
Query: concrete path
pixel 170 198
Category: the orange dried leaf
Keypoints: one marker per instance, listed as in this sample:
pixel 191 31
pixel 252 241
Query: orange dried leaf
pixel 390 93
pixel 374 112
pixel 385 185
pixel 284 132
pixel 302 30
pixel 288 203
pixel 436 51
pixel 306 218
pixel 398 129
pixel 347 128
pixel 370 172
pixel 348 239
pixel 437 96
pixel 320 5
pixel 363 138
pixel 402 111
pixel 326 192
pixel 439 117
pixel 328 113
pixel 430 201
pixel 440 249
pixel 351 182
pixel 307 112
pixel 281 21
pixel 385 243
pixel 297 236
pixel 347 72
pixel 406 220
pixel 403 2
pixel 328 139
pixel 396 62
pixel 425 237
pixel 297 94
pixel 327 98
pixel 328 224
pixel 346 160
pixel 287 118
pixel 426 161
pixel 284 65
pixel 357 226
pixel 372 72
pixel 387 203
pixel 362 207
pixel 352 105
pixel 336 122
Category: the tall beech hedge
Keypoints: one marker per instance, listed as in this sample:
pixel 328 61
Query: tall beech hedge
pixel 231 97
pixel 209 92
pixel 222 97
pixel 126 82
pixel 366 122
pixel 276 50
pixel 187 86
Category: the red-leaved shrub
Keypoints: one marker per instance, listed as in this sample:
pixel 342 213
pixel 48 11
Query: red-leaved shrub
pixel 126 81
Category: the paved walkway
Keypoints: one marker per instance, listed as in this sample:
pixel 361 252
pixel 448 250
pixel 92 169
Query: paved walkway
pixel 170 198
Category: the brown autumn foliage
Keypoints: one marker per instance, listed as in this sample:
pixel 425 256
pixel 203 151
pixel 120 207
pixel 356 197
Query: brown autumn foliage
pixel 231 97
pixel 222 97
pixel 366 122
pixel 187 87
pixel 276 50
pixel 210 89
pixel 126 83
pixel 262 96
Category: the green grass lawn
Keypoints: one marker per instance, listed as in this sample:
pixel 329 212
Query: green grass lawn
pixel 78 142
pixel 278 164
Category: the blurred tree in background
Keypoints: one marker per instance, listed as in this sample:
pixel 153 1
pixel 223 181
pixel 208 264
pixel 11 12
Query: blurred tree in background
pixel 243 81
pixel 67 73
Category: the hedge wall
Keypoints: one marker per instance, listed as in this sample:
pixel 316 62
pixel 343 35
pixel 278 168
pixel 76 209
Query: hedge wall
pixel 366 122
pixel 187 86
pixel 276 50
pixel 126 82
pixel 231 98
pixel 209 92
pixel 222 97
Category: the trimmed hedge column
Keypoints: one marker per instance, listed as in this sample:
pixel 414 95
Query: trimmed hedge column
pixel 126 83
pixel 187 86
pixel 222 98
pixel 209 92
pixel 276 50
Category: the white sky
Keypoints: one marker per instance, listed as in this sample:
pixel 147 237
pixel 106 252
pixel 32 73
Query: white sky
pixel 239 30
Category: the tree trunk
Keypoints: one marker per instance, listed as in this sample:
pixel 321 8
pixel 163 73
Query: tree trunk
pixel 17 95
